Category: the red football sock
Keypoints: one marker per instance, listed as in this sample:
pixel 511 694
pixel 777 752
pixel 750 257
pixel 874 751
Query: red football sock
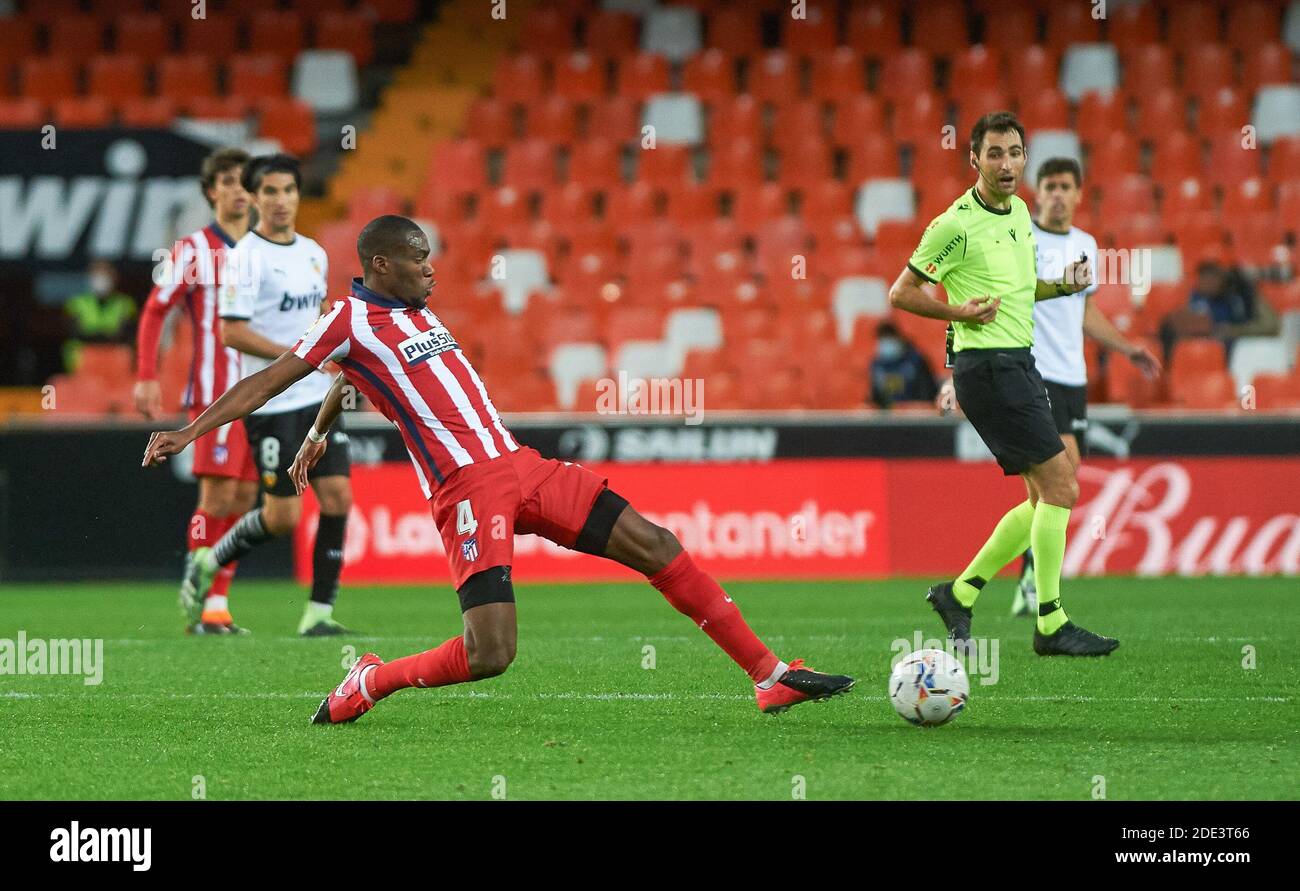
pixel 695 594
pixel 221 584
pixel 204 530
pixel 443 665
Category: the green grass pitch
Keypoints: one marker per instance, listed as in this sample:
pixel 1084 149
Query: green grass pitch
pixel 1173 714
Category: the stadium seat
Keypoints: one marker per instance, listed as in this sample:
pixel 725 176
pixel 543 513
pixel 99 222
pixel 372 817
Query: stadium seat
pixel 115 78
pixel 1291 26
pixel 1126 384
pixel 17 40
pixel 1046 110
pixel 676 118
pixel 1044 144
pixel 1288 205
pixel 261 76
pixel 145 35
pixel 1251 23
pixel 814 34
pixel 672 32
pixel 610 33
pixel 1246 197
pixel 642 75
pixel 326 80
pixel 1071 25
pixel 348 31
pixel 21 114
pixel 944 26
pixel 883 199
pixel 289 122
pixel 855 116
pixel 795 122
pixel 82 113
pixel 223 108
pixel 1160 111
pixel 874 156
pixel 78 36
pixel 572 363
pixel 1133 25
pixel 521 273
pixel 735 30
pixel 554 119
pixel 1198 354
pixel 1258 239
pixel 1200 237
pixel 1088 67
pixel 490 122
pixel 1276 392
pixel 906 72
pixel 735 165
pixel 774 77
pixel 918 118
pixel 1230 161
pixel 973 69
pixel 975 105
pixel 1284 159
pixel 735 118
pixel 1276 112
pixel 1192 23
pixel 519 79
pixel 580 77
pixel 806 162
pixel 615 118
pixel 1267 64
pixel 1260 355
pixel 595 164
pixel 710 75
pixel 217 35
pixel 1203 391
pixel 1011 28
pixel 1207 68
pixel 1221 111
pixel 1032 69
pixel 1187 195
pixel 1177 156
pixel 180 78
pixel 839 76
pixel 873 28
pixel 857 296
pixel 550 29
pixel 275 32
pixel 1099 115
pixel 47 79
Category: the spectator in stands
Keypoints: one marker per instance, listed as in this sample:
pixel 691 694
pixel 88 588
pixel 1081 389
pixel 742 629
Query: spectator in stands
pixel 899 373
pixel 101 315
pixel 1223 304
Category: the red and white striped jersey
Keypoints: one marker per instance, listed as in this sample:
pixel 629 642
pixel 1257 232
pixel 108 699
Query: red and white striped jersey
pixel 410 367
pixel 191 279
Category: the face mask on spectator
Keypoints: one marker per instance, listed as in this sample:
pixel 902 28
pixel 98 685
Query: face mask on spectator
pixel 101 283
pixel 890 349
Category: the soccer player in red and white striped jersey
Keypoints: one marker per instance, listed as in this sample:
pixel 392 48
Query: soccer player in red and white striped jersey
pixel 223 463
pixel 483 487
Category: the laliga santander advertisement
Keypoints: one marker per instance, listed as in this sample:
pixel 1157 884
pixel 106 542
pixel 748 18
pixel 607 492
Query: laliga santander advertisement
pixel 868 518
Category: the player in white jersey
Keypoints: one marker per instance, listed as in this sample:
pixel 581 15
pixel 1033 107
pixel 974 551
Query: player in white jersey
pixel 272 292
pixel 1059 325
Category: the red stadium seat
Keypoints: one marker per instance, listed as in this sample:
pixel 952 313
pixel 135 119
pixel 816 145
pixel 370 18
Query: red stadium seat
pixel 21 113
pixel 974 69
pixel 1275 392
pixel 1222 111
pixel 1258 239
pixel 905 73
pixel 611 33
pixel 1288 205
pixel 365 204
pixel 181 78
pixel 974 106
pixel 1200 237
pixel 1192 23
pixel 595 164
pixel 580 77
pixel 634 203
pixel 932 159
pixel 1126 195
pixel 1184 196
pixel 1101 114
pixel 642 75
pixel 146 35
pixel 795 122
pixel 774 77
pixel 937 192
pixel 1069 23
pixel 756 206
pixel 275 32
pixel 1160 111
pixel 490 122
pixel 667 166
pixel 554 119
pixel 17 39
pixel 874 28
pixel 351 32
pixel 1230 161
pixel 1149 67
pixel 1117 154
pixel 919 118
pixel 217 35
pixel 1205 391
pixel 1198 354
pixel 1284 159
pixel 839 76
pixel 829 198
pixel 735 30
pixel 806 162
pixel 256 76
pixel 47 79
pixel 1127 385
pixel 519 79
pixel 1132 25
pixel 1177 156
pixel 291 122
pixel 1207 68
pixel 616 119
pixel 1138 229
pixel 549 30
pixel 115 78
pixel 1032 69
pixel 814 34
pixel 217 107
pixel 392 11
pixel 529 165
pixel 1251 23
pixel 82 113
pixel 710 75
pixel 872 157
pixel 1047 110
pixel 736 165
pixel 740 118
pixel 1246 197
pixel 855 116
pixel 943 25
pixel 147 112
pixel 78 36
pixel 1011 28
pixel 569 206
pixel 457 165
pixel 1265 64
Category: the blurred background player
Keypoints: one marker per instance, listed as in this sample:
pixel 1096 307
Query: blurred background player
pixel 396 351
pixel 982 249
pixel 272 293
pixel 222 461
pixel 1059 326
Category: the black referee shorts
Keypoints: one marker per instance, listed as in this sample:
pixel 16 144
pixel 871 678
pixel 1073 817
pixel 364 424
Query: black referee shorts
pixel 1004 398
pixel 1069 408
pixel 275 440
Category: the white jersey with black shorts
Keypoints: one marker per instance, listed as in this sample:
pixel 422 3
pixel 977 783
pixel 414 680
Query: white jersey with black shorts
pixel 1058 327
pixel 278 290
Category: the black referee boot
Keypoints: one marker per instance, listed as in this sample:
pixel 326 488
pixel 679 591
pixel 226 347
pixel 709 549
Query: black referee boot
pixel 956 618
pixel 1071 640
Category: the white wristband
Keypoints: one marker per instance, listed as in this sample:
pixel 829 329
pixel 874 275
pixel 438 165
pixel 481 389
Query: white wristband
pixel 314 436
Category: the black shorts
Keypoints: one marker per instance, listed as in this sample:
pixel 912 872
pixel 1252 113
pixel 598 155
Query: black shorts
pixel 1004 398
pixel 1069 408
pixel 275 440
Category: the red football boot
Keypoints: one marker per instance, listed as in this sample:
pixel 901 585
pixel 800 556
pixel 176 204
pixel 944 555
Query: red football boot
pixel 349 700
pixel 798 685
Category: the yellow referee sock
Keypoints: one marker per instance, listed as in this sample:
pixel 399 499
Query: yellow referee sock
pixel 1009 539
pixel 1047 536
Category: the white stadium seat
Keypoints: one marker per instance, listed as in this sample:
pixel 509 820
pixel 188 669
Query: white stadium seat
pixel 326 80
pixel 673 32
pixel 1259 355
pixel 857 295
pixel 1276 112
pixel 573 363
pixel 1044 144
pixel 676 117
pixel 1089 67
pixel 1291 26
pixel 883 199
pixel 646 359
pixel 635 7
pixel 521 272
pixel 693 329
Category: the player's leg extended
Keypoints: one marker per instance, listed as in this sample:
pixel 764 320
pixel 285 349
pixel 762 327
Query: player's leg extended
pixel 222 500
pixel 615 530
pixel 335 496
pixel 485 650
pixel 1058 491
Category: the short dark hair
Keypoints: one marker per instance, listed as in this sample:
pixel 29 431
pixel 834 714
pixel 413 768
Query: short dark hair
pixel 384 236
pixel 264 164
pixel 1053 166
pixel 217 163
pixel 994 122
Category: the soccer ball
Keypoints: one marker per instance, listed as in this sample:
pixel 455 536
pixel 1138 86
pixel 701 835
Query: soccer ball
pixel 928 688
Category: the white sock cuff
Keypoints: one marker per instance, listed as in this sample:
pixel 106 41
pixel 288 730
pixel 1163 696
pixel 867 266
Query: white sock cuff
pixel 361 681
pixel 781 668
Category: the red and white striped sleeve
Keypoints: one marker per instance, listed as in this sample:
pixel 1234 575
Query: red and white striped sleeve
pixel 329 338
pixel 171 285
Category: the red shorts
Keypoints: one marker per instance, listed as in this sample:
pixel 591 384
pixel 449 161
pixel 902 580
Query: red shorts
pixel 480 507
pixel 224 452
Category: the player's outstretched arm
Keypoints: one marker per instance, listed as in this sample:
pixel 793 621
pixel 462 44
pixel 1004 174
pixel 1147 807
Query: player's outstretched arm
pixel 1102 330
pixel 313 448
pixel 908 293
pixel 246 396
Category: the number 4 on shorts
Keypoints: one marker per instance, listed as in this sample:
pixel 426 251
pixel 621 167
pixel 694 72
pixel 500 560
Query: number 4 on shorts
pixel 465 522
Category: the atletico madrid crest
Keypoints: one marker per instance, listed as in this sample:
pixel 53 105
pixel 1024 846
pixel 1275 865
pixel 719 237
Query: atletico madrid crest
pixel 470 549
